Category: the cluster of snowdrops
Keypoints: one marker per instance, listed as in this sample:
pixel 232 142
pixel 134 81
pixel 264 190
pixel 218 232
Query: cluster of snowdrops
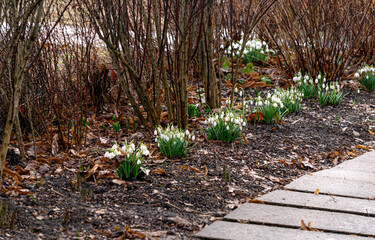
pixel 228 123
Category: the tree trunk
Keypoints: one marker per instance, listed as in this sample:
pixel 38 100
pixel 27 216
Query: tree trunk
pixel 212 86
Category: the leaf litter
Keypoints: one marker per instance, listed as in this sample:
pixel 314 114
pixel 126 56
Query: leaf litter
pixel 63 194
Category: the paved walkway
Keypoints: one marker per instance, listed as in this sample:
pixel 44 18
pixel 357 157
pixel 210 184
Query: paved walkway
pixel 344 208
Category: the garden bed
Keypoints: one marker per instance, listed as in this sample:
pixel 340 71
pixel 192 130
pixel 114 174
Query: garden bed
pixel 77 195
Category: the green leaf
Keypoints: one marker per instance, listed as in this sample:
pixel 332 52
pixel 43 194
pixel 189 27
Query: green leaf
pixel 248 68
pixel 226 64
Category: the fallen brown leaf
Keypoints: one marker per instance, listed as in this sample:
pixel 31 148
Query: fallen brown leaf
pixel 244 138
pixel 158 171
pixel 257 201
pixel 362 147
pixel 107 233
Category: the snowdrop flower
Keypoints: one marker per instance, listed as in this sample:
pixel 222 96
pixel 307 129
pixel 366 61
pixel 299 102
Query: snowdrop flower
pixel 215 124
pixel 193 138
pixel 319 76
pixel 227 128
pixel 187 132
pixel 108 155
pixel 235 90
pixel 144 150
pixel 275 105
pixel 241 93
pixel 114 147
pixel 155 132
pixel 261 52
pixel 316 81
pixel 324 80
pixel 356 75
pixel 358 91
pixel 323 86
pixel 244 123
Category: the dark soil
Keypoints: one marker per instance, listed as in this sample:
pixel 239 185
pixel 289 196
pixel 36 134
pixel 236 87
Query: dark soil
pixel 180 196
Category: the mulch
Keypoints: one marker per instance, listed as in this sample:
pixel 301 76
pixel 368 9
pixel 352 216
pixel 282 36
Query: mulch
pixel 76 194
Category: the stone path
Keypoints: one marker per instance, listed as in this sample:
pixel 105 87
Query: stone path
pixel 344 208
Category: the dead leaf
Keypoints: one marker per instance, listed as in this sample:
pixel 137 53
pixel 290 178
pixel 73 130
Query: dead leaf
pixel 303 225
pixel 244 138
pixel 158 171
pixel 106 175
pixel 118 181
pixel 190 169
pixel 163 115
pixel 133 234
pixel 257 201
pixel 352 153
pixel 205 171
pixel 25 191
pixel 316 191
pixel 333 154
pixel 371 132
pixel 55 159
pixel 362 147
pixel 107 233
pixel 255 117
pixel 21 171
pixel 9 172
pixel 92 171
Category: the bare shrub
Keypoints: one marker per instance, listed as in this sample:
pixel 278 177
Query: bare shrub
pixel 320 36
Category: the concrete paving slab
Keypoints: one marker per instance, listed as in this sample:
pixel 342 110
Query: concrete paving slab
pixel 321 202
pixel 357 166
pixel 235 231
pixel 347 174
pixel 333 186
pixel 291 217
pixel 368 157
pixel 363 163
